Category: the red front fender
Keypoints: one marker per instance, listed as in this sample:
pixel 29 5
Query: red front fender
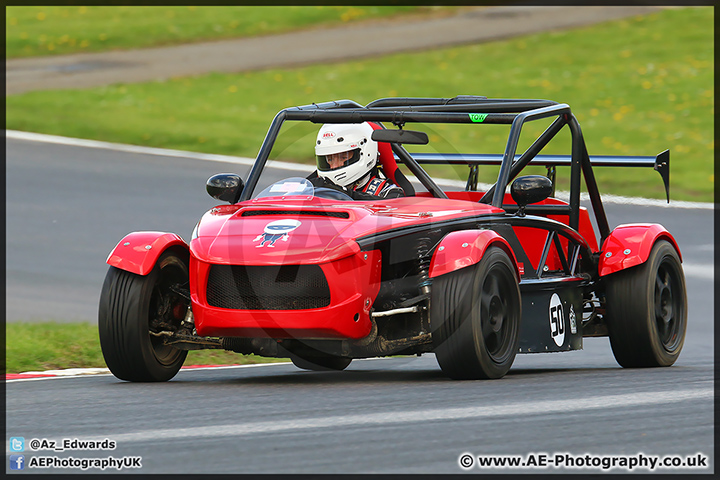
pixel 464 248
pixel 138 251
pixel 630 244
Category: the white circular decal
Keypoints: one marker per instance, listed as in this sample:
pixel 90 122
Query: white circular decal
pixel 281 226
pixel 277 230
pixel 557 320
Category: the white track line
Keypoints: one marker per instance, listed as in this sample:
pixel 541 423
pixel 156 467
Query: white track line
pixel 531 407
pixel 69 372
pixel 78 142
pixel 86 372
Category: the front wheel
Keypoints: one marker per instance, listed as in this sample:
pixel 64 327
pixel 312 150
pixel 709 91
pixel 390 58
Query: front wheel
pixel 475 316
pixel 134 309
pixel 647 310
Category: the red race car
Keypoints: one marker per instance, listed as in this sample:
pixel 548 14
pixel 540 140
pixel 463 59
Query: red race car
pixel 317 270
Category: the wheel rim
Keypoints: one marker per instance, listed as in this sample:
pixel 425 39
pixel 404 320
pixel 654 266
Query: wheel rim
pixel 167 309
pixel 668 305
pixel 498 314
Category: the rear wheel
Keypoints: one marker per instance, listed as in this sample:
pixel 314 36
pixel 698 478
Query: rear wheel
pixel 132 309
pixel 475 315
pixel 320 363
pixel 647 310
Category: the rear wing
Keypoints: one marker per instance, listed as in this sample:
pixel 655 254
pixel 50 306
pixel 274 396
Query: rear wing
pixel 660 162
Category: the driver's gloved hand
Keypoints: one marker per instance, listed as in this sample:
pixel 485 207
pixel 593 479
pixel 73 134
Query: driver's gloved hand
pixel 355 195
pixel 319 182
pixel 324 182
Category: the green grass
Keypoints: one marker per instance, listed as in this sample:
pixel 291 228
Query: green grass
pixel 56 30
pixel 50 346
pixel 637 86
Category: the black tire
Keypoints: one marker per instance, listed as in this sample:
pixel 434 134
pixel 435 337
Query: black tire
pixel 475 315
pixel 647 310
pixel 131 306
pixel 324 363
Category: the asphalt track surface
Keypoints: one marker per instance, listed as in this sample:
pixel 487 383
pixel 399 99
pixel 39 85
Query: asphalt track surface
pixel 67 207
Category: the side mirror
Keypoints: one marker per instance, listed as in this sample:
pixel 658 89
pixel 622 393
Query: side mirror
pixel 530 189
pixel 400 136
pixel 225 186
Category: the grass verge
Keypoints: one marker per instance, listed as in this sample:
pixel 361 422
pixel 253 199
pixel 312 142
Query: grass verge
pixel 52 346
pixel 635 89
pixel 56 30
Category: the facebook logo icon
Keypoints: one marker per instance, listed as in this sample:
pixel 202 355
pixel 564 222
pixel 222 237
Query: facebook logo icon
pixel 17 462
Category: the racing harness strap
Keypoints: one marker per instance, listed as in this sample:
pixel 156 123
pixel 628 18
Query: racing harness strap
pixel 374 186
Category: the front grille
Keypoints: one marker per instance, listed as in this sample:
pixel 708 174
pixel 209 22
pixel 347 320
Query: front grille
pixel 286 287
pixel 317 213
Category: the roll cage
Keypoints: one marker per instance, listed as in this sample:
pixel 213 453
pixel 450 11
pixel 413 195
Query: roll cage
pixel 470 109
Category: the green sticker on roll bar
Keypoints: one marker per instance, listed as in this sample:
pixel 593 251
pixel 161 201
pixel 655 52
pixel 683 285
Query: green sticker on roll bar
pixel 478 117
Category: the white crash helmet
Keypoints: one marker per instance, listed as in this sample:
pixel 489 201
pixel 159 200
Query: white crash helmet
pixel 346 137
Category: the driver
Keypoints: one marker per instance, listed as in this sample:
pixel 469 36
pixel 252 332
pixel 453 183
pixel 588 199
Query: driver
pixel 348 158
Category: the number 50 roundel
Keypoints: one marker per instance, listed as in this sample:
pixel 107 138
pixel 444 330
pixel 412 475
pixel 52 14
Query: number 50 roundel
pixel 557 320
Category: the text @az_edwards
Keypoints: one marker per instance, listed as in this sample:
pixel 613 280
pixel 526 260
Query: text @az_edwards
pixel 45 444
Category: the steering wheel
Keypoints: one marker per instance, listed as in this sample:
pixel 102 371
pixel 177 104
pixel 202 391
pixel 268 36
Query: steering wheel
pixel 331 194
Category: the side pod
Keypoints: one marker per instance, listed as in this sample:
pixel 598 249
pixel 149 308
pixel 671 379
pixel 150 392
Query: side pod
pixel 138 251
pixel 630 244
pixel 464 248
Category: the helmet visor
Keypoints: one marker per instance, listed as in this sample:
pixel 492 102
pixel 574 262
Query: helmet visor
pixel 333 161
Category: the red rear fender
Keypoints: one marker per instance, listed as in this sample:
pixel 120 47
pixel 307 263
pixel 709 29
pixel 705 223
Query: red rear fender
pixel 138 251
pixel 629 245
pixel 464 248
